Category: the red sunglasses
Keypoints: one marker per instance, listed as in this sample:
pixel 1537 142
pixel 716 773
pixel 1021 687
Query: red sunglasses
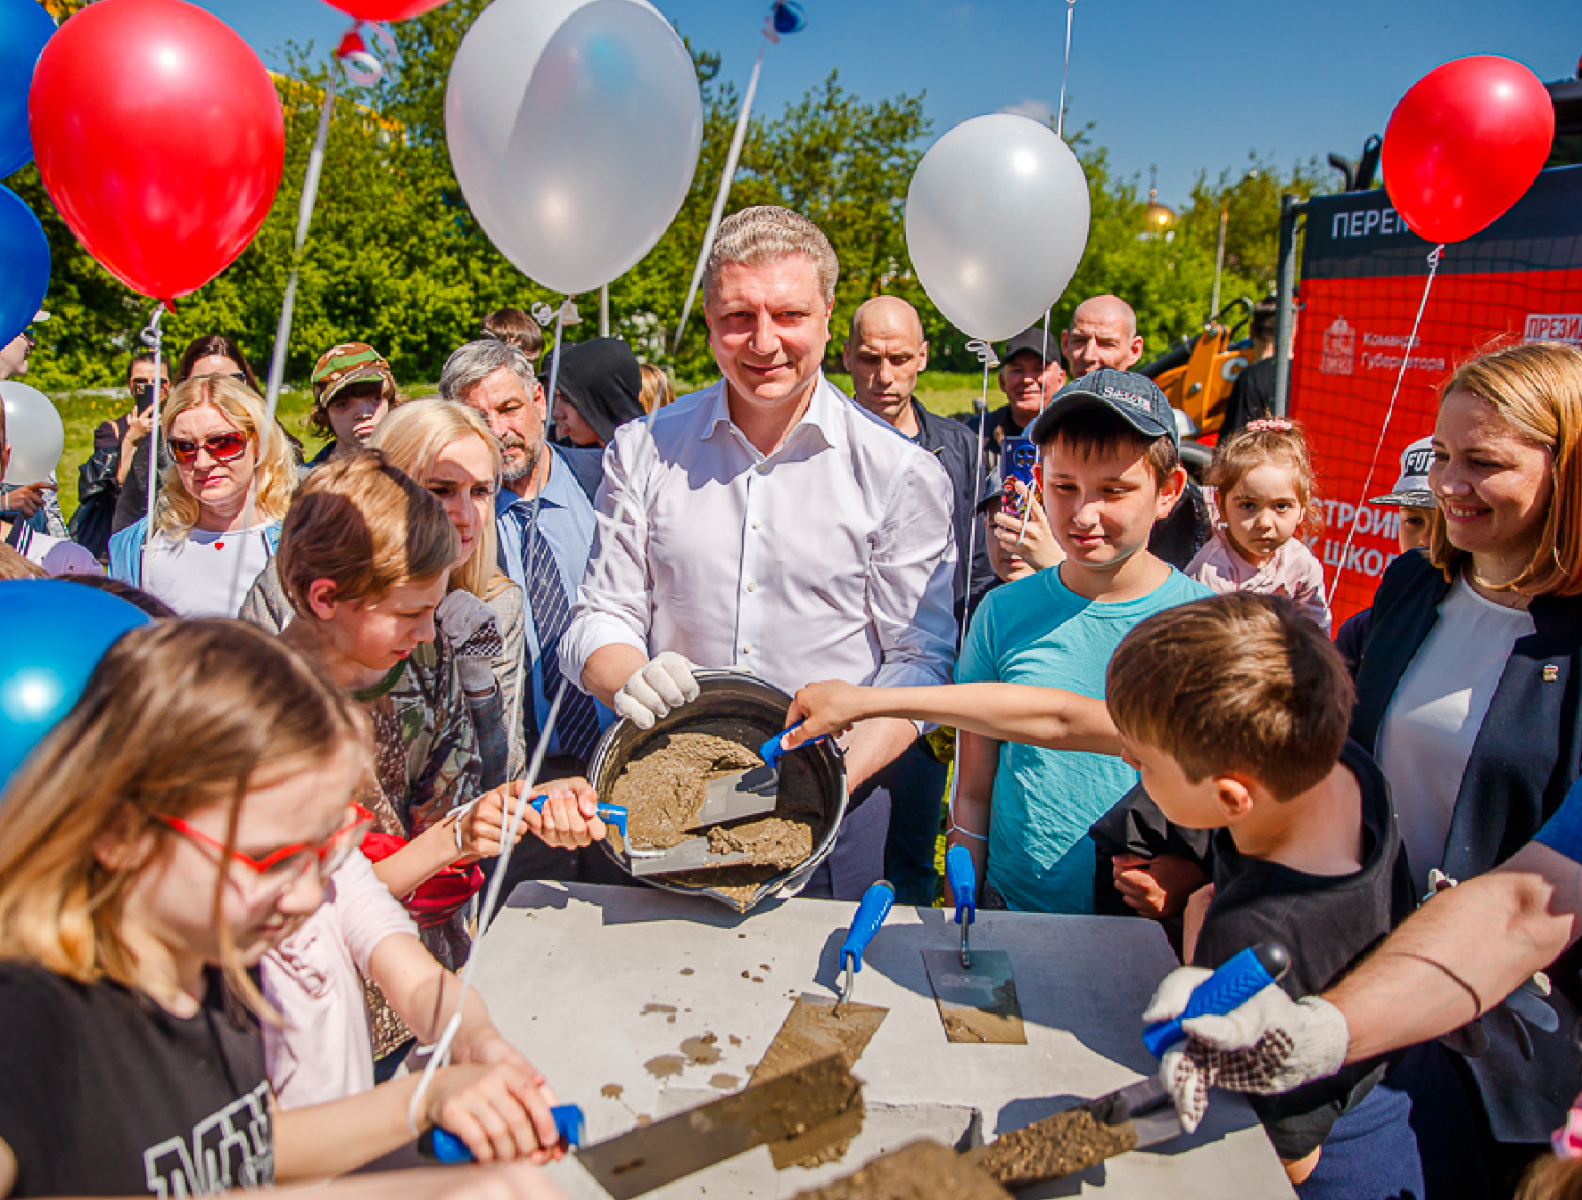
pixel 285 866
pixel 222 447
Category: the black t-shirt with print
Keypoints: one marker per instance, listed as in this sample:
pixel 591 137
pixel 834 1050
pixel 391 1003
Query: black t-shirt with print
pixel 1328 923
pixel 103 1093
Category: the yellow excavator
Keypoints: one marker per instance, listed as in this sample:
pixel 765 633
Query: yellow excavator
pixel 1196 373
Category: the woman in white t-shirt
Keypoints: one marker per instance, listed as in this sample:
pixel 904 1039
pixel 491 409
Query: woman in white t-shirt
pixel 1467 687
pixel 219 507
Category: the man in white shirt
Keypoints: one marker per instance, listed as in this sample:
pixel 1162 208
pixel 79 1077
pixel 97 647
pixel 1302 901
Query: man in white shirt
pixel 768 523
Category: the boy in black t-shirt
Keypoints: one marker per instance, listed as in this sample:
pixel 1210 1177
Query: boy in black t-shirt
pixel 1235 709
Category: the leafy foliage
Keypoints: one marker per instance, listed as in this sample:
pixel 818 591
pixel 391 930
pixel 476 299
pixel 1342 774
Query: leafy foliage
pixel 395 257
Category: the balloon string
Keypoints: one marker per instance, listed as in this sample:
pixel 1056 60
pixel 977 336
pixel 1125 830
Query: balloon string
pixel 1060 116
pixel 154 338
pixel 1378 446
pixel 720 197
pixel 441 1053
pixel 987 357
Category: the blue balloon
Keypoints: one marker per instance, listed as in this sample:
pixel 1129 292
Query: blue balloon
pixel 24 28
pixel 787 16
pixel 24 265
pixel 55 634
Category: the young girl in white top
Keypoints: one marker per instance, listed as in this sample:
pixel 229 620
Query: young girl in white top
pixel 1263 481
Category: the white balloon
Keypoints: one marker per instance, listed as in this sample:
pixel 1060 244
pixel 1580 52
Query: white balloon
pixel 34 432
pixel 574 128
pixel 996 222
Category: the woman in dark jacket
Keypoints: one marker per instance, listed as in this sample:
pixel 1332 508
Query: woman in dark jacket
pixel 1467 691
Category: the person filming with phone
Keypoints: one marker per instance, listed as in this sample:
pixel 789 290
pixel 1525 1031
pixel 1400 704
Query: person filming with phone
pixel 115 445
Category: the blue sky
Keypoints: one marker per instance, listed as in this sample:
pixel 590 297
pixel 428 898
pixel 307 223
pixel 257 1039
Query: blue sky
pixel 1183 84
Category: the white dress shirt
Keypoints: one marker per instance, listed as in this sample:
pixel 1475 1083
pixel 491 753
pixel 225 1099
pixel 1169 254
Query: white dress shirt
pixel 832 558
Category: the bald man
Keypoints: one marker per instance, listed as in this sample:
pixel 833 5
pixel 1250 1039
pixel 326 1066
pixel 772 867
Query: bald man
pixel 885 352
pixel 1103 333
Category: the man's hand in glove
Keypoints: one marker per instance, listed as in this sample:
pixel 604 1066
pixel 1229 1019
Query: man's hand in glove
pixel 1270 1044
pixel 661 684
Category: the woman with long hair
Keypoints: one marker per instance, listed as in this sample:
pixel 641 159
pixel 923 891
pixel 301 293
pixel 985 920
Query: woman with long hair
pixel 218 512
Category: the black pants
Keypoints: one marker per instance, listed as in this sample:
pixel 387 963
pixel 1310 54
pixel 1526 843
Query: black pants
pixel 916 782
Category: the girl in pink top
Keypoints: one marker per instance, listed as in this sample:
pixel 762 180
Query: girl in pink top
pixel 1263 481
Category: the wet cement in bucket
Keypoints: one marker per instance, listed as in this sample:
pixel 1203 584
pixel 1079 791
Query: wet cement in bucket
pixel 663 790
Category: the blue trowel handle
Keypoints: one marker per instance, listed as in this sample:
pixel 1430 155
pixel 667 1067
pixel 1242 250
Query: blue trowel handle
pixel 610 814
pixel 963 882
pixel 448 1148
pixel 771 750
pixel 875 906
pixel 1236 982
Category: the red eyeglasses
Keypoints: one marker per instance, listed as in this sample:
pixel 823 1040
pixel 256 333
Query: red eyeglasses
pixel 222 447
pixel 288 864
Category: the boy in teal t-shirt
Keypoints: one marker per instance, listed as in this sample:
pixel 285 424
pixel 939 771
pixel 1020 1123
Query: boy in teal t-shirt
pixel 1111 468
pixel 1039 758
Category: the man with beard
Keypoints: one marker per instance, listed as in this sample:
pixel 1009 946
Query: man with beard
pixel 545 520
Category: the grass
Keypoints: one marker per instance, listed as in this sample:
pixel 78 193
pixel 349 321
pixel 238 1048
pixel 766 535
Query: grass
pixel 81 412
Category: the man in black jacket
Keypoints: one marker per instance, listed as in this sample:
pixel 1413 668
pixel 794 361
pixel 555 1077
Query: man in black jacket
pixel 885 354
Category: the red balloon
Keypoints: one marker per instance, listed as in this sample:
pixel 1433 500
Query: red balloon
pixel 384 10
pixel 158 134
pixel 1464 144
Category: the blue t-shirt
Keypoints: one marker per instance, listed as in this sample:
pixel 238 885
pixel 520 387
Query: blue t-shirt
pixel 1038 631
pixel 1563 831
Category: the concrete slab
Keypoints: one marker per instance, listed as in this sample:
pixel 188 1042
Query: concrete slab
pixel 623 997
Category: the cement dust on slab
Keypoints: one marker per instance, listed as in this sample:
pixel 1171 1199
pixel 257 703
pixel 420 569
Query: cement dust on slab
pixel 612 1091
pixel 665 1066
pixel 688 971
pixel 1057 1146
pixel 920 1171
pixel 701 1051
pixel 723 1082
pixel 657 1008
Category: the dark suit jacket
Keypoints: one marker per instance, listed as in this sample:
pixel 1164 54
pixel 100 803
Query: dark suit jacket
pixel 956 447
pixel 1527 754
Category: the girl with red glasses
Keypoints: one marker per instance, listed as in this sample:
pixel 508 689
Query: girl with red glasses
pixel 143 875
pixel 218 510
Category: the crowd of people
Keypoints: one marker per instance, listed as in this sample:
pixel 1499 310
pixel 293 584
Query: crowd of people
pixel 246 917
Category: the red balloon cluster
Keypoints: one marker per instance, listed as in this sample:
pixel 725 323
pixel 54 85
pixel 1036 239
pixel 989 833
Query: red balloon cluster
pixel 1464 144
pixel 159 136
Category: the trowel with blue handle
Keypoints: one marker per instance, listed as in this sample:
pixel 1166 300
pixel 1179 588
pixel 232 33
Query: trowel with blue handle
pixel 1136 1116
pixel 733 796
pixel 975 990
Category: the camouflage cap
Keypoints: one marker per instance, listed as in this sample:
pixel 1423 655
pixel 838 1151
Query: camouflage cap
pixel 346 364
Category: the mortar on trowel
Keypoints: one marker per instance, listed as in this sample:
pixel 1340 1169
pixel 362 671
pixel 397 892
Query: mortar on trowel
pixel 747 711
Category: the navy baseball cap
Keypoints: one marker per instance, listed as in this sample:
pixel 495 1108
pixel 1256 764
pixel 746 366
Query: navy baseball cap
pixel 1134 398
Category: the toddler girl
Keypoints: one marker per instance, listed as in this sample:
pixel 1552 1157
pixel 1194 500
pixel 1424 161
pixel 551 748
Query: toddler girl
pixel 1263 481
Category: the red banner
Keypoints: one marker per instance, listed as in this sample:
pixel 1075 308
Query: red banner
pixel 1363 279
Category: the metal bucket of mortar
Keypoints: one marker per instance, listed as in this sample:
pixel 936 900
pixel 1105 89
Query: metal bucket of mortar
pixel 743 709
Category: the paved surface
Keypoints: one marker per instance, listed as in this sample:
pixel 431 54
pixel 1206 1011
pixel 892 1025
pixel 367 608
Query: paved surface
pixel 595 983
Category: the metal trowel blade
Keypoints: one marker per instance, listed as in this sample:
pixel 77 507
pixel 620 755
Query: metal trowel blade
pixel 976 1004
pixel 691 855
pixel 750 793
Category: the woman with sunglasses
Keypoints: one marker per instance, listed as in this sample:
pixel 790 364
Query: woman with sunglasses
pixel 141 879
pixel 217 516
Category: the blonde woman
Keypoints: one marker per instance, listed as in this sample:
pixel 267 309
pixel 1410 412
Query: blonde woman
pixel 448 449
pixel 217 516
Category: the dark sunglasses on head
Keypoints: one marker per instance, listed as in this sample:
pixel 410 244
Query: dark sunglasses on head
pixel 222 447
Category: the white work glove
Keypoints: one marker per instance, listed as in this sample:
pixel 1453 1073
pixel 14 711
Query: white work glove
pixel 1270 1044
pixel 664 682
pixel 472 631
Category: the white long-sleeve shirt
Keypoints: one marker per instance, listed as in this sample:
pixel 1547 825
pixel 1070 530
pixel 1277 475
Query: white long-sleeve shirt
pixel 832 558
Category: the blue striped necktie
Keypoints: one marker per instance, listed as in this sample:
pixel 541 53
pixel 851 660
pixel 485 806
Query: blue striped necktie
pixel 577 726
